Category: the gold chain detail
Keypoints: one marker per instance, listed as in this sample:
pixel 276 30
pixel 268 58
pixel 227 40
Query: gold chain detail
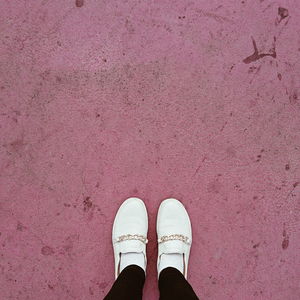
pixel 129 237
pixel 174 237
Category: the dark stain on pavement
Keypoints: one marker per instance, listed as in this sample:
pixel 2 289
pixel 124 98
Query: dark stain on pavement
pixel 102 285
pixel 256 55
pixel 79 3
pixel 46 250
pixel 293 97
pixel 279 76
pixel 258 158
pixel 282 13
pixel 20 227
pixel 87 203
pixel 285 243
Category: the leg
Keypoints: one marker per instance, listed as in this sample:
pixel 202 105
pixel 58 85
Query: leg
pixel 173 286
pixel 129 285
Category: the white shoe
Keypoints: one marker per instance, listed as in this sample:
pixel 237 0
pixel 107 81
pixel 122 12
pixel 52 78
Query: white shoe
pixel 129 234
pixel 174 231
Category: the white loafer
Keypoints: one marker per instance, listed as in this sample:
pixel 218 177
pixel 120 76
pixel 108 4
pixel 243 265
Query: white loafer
pixel 130 229
pixel 174 231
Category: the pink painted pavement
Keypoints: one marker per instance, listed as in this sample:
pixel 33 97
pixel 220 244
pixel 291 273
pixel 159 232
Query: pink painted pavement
pixel 102 100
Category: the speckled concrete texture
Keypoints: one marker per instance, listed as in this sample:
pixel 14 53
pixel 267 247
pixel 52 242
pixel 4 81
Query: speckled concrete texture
pixel 102 100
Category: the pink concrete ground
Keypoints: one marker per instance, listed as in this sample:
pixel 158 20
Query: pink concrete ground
pixel 102 100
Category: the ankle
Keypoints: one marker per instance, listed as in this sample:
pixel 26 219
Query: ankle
pixel 174 260
pixel 132 258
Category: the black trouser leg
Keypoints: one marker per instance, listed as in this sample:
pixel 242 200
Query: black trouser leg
pixel 129 285
pixel 173 286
